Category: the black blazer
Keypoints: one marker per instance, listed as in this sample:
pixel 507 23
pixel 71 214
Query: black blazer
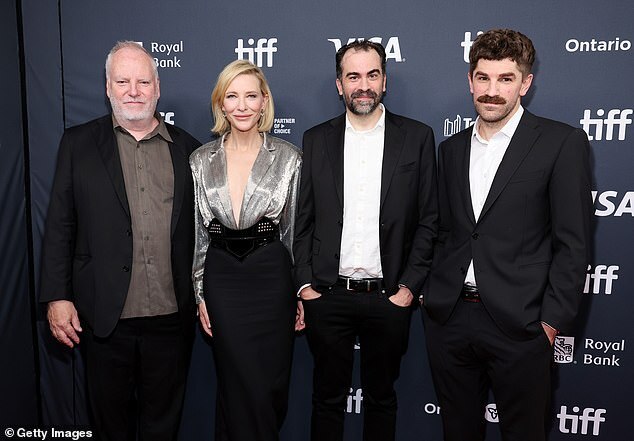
pixel 531 244
pixel 87 249
pixel 408 211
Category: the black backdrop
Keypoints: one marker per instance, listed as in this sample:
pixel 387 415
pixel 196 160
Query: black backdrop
pixel 583 77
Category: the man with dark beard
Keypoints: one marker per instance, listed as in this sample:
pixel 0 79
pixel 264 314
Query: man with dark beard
pixel 512 249
pixel 366 222
pixel 117 254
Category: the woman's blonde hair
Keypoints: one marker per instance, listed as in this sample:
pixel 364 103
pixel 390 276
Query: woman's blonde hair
pixel 228 74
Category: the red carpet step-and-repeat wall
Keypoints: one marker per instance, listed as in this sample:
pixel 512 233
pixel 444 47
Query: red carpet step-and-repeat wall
pixel 583 76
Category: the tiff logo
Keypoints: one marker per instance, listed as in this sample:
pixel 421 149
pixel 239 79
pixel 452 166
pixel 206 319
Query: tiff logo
pixel 601 272
pixel 354 401
pixel 589 416
pixel 459 123
pixel 466 45
pixel 563 349
pixel 263 47
pixel 616 118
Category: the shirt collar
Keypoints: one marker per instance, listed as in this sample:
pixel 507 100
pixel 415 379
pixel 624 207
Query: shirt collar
pixel 508 130
pixel 380 123
pixel 160 130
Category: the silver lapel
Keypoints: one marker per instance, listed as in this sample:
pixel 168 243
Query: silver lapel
pixel 220 183
pixel 263 161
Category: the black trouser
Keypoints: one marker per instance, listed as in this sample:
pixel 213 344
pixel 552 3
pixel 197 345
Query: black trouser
pixel 333 322
pixel 136 378
pixel 469 354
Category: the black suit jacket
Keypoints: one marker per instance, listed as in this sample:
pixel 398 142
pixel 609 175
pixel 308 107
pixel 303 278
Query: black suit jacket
pixel 87 249
pixel 531 244
pixel 408 211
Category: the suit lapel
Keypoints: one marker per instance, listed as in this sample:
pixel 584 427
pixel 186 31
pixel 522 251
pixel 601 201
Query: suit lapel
pixel 392 147
pixel 523 140
pixel 260 167
pixel 218 181
pixel 461 166
pixel 334 151
pixel 180 164
pixel 107 146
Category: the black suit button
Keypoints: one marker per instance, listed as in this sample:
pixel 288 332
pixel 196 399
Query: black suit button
pixel 475 236
pixel 340 222
pixel 128 233
pixel 337 256
pixel 462 270
pixel 125 269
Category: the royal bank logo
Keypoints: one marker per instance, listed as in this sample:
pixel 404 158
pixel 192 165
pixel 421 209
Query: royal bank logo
pixel 457 124
pixel 466 44
pixel 355 399
pixel 583 422
pixel 392 46
pixel 600 279
pixel 564 349
pixel 603 126
pixel 258 52
pixel 594 45
pixel 168 117
pixel 613 203
pixel 166 55
pixel 603 353
pixel 283 126
pixel 491 413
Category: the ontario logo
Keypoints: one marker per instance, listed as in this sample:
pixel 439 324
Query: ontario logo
pixel 491 413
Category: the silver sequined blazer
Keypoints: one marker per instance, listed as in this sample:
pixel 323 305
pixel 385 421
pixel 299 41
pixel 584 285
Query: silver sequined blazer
pixel 271 192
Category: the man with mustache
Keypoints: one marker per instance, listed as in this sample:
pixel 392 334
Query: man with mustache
pixel 365 227
pixel 512 250
pixel 117 254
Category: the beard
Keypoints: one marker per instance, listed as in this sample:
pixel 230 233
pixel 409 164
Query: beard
pixel 364 108
pixel 122 113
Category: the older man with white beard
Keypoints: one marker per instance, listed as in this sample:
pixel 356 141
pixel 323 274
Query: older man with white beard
pixel 117 254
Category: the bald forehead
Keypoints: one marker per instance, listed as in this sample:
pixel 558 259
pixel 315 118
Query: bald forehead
pixel 132 56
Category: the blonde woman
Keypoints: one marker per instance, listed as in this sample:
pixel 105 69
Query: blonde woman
pixel 245 185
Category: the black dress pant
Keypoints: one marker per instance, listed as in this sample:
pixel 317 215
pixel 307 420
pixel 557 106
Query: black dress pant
pixel 469 354
pixel 136 378
pixel 333 322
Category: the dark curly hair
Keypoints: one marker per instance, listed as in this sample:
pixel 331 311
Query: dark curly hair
pixel 500 44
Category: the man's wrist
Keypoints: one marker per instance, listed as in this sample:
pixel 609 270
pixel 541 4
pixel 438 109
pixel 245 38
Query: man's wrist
pixel 301 288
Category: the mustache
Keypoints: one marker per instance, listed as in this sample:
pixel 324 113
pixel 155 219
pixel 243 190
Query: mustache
pixel 488 99
pixel 364 94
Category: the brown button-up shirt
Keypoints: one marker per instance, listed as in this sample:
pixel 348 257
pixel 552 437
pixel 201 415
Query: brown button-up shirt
pixel 149 182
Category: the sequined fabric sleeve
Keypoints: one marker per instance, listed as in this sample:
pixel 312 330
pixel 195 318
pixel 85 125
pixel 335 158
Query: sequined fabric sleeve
pixel 201 236
pixel 287 219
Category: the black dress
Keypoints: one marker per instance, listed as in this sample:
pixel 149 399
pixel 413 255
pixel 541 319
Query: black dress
pixel 250 298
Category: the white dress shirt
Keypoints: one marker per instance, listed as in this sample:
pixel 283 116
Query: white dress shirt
pixel 484 161
pixel 360 255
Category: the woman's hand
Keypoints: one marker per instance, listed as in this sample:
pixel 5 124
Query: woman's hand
pixel 204 318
